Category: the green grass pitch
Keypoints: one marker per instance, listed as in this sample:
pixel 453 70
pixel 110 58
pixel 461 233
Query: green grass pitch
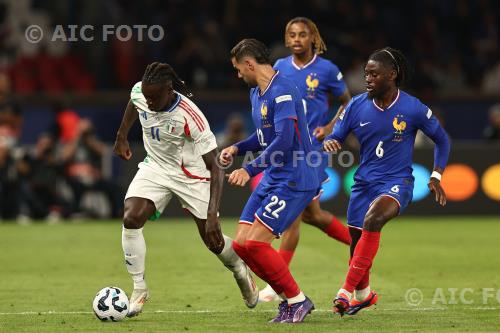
pixel 50 274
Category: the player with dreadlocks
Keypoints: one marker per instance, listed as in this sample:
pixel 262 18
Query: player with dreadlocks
pixel 385 121
pixel 181 161
pixel 318 79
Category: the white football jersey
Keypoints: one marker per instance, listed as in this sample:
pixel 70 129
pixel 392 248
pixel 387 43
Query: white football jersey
pixel 174 139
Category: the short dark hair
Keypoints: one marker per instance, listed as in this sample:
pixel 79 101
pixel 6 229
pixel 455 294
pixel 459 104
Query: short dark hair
pixel 157 73
pixel 250 47
pixel 394 59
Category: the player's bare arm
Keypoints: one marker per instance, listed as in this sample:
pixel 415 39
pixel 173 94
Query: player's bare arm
pixel 226 155
pixel 212 226
pixel 436 188
pixel 321 132
pixel 121 147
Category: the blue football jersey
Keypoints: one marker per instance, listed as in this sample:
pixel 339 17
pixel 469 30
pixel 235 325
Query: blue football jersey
pixel 279 101
pixel 386 136
pixel 314 80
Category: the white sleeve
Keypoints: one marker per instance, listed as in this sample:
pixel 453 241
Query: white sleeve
pixel 198 129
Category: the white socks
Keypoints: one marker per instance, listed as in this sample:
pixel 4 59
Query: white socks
pixel 229 258
pixel 361 295
pixel 345 292
pixel 134 248
pixel 297 299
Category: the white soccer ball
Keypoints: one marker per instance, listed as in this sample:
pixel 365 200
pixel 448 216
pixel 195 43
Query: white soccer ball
pixel 110 304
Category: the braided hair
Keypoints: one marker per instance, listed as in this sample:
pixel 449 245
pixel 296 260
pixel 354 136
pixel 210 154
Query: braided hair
pixel 394 59
pixel 319 45
pixel 158 73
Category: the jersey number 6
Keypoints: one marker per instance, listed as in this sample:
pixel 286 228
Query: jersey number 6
pixel 379 151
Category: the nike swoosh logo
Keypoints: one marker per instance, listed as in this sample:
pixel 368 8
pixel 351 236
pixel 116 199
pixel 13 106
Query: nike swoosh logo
pixel 269 217
pixel 363 124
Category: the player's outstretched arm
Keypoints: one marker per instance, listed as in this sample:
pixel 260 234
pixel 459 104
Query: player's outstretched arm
pixel 212 226
pixel 435 186
pixel 321 132
pixel 121 147
pixel 441 153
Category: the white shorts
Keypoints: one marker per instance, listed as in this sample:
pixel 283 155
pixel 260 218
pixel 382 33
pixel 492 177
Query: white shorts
pixel 193 196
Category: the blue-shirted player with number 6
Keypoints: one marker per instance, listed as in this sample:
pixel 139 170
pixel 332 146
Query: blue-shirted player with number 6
pixel 288 184
pixel 385 120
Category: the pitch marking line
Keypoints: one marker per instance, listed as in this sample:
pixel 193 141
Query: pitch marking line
pixel 33 313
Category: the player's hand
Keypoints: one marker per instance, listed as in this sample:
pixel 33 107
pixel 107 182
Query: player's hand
pixel 226 155
pixel 435 187
pixel 122 149
pixel 332 146
pixel 238 177
pixel 322 131
pixel 213 235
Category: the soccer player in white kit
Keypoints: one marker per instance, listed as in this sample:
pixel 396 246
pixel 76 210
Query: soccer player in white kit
pixel 181 161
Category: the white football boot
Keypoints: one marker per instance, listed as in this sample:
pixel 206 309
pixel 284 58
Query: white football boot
pixel 248 288
pixel 137 300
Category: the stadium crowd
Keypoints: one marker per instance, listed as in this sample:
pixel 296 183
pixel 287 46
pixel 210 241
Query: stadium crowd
pixel 453 44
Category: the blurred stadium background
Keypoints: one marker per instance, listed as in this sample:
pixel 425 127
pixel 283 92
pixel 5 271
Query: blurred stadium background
pixel 62 98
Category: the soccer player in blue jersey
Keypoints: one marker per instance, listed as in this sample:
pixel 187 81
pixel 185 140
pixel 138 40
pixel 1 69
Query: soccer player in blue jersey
pixel 288 184
pixel 385 121
pixel 317 80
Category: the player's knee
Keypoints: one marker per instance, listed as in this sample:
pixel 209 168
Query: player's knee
pixel 311 217
pixel 133 220
pixel 374 222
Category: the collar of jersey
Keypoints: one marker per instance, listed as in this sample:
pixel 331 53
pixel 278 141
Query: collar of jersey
pixel 310 62
pixel 387 108
pixel 269 84
pixel 177 101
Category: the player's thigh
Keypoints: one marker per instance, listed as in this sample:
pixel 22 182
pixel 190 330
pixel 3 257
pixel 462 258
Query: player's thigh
pixel 390 200
pixel 193 196
pixel 137 211
pixel 146 184
pixel 401 191
pixel 281 206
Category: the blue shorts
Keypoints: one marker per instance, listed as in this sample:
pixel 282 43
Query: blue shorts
pixel 275 206
pixel 364 194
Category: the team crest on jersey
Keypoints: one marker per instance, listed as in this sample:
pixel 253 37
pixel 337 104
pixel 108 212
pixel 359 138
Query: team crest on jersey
pixel 399 125
pixel 170 126
pixel 312 83
pixel 263 114
pixel 144 115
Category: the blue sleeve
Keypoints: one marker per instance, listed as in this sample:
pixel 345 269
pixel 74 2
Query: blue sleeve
pixel 249 144
pixel 343 125
pixel 431 127
pixel 274 153
pixel 442 148
pixel 284 107
pixel 336 82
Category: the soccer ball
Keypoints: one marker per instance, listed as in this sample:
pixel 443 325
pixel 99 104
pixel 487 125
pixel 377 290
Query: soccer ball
pixel 111 304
